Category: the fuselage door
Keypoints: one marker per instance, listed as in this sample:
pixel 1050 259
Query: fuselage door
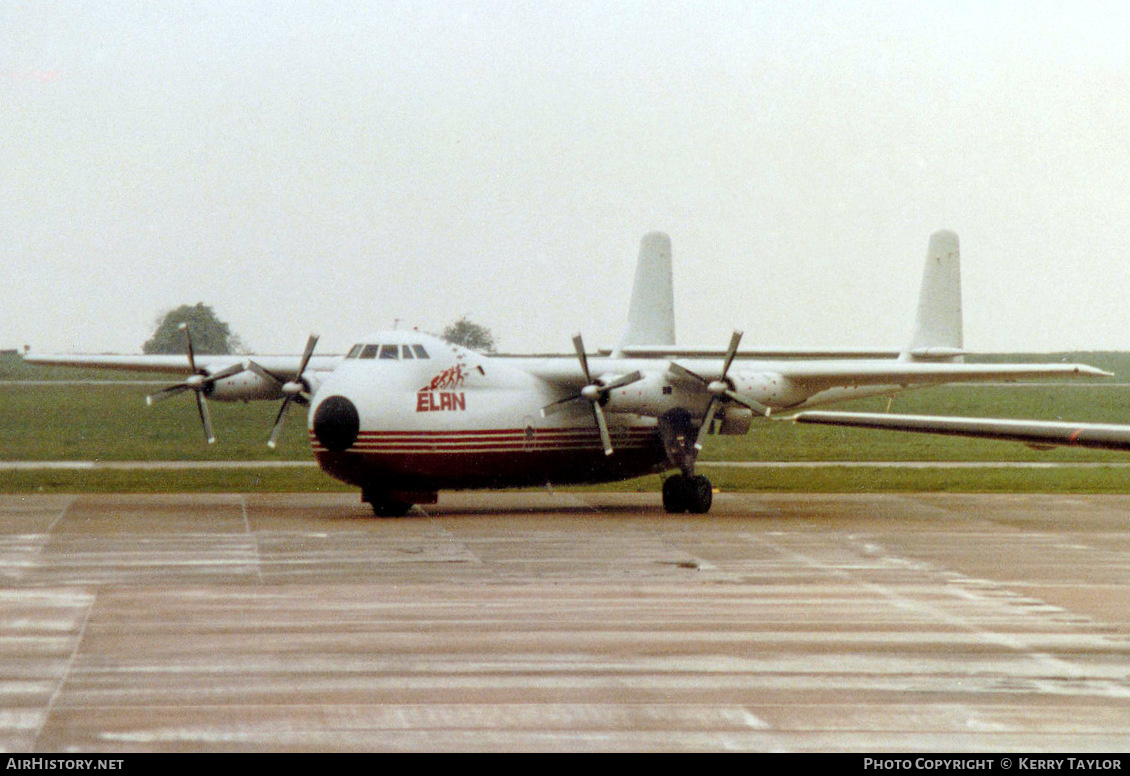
pixel 528 434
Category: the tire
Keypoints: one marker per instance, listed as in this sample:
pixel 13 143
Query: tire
pixel 700 495
pixel 383 505
pixel 675 492
pixel 390 508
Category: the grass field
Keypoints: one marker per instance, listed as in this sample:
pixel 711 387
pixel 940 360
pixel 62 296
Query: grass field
pixel 44 416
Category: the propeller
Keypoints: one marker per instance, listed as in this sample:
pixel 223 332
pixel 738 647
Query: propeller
pixel 720 390
pixel 595 392
pixel 295 390
pixel 198 382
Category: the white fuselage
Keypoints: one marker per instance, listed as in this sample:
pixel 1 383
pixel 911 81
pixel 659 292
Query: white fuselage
pixel 447 417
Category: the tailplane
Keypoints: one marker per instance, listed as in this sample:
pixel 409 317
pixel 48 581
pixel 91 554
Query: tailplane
pixel 651 316
pixel 937 326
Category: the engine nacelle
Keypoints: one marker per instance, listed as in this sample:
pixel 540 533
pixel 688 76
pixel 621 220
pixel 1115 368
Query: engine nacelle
pixel 245 386
pixel 736 421
pixel 768 388
pixel 651 396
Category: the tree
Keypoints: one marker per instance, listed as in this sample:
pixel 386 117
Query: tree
pixel 470 335
pixel 209 334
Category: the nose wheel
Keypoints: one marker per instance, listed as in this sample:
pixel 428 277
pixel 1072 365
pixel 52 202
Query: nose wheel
pixel 390 508
pixel 692 494
pixel 395 503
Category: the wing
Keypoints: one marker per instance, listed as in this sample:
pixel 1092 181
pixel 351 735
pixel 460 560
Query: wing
pixel 1034 432
pixel 817 376
pixel 224 378
pixel 791 384
pixel 693 351
pixel 281 366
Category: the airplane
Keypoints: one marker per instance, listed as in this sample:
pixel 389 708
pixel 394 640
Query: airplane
pixel 405 414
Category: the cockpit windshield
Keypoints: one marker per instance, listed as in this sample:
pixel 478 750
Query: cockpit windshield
pixel 388 352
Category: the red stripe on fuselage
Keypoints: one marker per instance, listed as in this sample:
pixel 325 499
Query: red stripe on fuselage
pixel 483 440
pixel 435 460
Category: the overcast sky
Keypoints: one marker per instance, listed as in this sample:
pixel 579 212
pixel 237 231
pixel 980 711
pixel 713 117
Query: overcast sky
pixel 336 166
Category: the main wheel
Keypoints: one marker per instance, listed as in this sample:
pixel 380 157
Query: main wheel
pixel 687 494
pixel 675 494
pixel 700 495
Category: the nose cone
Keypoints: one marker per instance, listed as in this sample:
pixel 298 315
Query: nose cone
pixel 336 423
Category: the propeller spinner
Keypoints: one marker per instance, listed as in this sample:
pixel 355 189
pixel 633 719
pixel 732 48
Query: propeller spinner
pixel 595 392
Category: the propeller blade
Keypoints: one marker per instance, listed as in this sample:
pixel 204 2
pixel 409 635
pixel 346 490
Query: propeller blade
pixel 579 346
pixel 225 373
pixel 198 382
pixel 301 392
pixel 274 440
pixel 261 372
pixel 704 427
pixel 165 393
pixel 205 417
pixel 756 406
pixel 191 351
pixel 718 388
pixel 561 404
pixel 594 393
pixel 681 371
pixel 602 424
pixel 558 406
pixel 311 343
pixel 621 382
pixel 729 393
pixel 294 390
pixel 735 340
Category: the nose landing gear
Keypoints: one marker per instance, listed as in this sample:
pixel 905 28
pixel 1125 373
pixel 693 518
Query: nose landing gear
pixel 395 503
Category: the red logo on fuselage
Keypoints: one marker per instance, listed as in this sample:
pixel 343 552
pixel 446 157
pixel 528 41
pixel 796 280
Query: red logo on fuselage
pixel 434 398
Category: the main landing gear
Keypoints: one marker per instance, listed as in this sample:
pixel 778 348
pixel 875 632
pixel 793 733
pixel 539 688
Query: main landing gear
pixel 685 491
pixel 692 494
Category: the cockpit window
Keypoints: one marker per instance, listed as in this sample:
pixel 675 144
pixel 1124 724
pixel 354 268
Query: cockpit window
pixel 388 351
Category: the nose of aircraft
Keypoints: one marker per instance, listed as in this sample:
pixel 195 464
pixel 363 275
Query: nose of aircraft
pixel 336 423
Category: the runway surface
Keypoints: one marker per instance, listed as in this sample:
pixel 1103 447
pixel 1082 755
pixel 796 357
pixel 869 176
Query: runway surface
pixel 565 622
